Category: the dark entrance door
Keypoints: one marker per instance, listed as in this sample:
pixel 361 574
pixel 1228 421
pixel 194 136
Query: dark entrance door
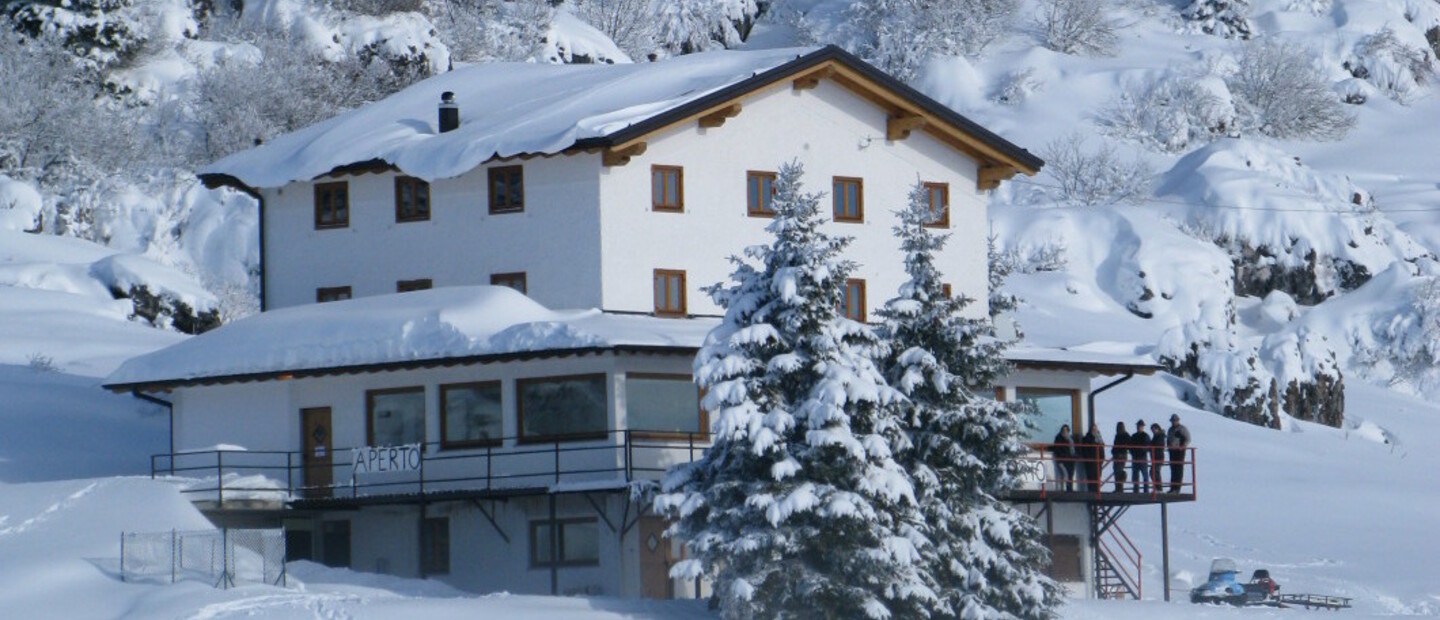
pixel 315 439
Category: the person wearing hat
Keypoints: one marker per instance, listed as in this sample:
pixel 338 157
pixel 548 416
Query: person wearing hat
pixel 1177 439
pixel 1140 458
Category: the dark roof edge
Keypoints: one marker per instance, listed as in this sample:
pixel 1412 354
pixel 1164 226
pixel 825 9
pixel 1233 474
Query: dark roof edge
pixel 800 64
pixel 490 358
pixel 1104 368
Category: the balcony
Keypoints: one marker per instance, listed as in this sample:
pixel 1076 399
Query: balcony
pixel 246 479
pixel 1043 480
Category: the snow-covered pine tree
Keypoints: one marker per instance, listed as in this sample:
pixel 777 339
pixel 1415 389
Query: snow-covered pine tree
pixel 688 26
pixel 798 509
pixel 985 555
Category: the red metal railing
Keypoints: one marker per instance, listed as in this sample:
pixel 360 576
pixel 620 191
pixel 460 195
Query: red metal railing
pixel 1070 469
pixel 1124 559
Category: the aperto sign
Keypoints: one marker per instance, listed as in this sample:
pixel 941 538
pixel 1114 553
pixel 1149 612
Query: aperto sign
pixel 386 459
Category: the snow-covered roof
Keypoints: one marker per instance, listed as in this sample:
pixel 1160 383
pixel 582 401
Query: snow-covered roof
pixel 513 109
pixel 451 326
pixel 445 326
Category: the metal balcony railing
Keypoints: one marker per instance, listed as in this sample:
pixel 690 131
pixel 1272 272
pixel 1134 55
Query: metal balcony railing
pixel 593 460
pixel 1050 472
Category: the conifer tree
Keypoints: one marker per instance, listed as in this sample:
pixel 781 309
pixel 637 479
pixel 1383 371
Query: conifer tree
pixel 798 509
pixel 985 555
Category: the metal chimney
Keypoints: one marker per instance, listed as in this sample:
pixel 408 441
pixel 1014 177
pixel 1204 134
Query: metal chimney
pixel 449 112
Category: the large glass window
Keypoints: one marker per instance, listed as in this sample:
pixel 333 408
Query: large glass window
pixel 1055 408
pixel 471 414
pixel 663 404
pixel 560 408
pixel 396 417
pixel 578 542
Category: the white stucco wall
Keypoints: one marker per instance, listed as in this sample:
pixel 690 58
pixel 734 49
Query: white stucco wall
pixel 829 130
pixel 553 240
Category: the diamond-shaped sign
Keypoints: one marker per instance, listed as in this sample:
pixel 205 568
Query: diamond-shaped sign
pixel 652 542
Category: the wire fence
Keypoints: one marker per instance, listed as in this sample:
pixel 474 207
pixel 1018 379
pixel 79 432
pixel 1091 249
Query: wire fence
pixel 219 557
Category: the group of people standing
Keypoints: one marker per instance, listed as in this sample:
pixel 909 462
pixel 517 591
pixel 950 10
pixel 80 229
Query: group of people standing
pixel 1079 458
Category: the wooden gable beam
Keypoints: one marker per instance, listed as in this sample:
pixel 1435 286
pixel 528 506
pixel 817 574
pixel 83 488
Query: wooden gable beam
pixel 899 126
pixel 621 156
pixel 812 79
pixel 989 177
pixel 718 117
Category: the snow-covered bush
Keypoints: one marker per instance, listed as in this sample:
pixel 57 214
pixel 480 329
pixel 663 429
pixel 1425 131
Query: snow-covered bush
pixel 242 101
pixel 1236 384
pixel 622 21
pixel 494 30
pixel 1396 68
pixel 1279 92
pixel 1224 18
pixel 1171 114
pixel 1079 27
pixel 1087 178
pixel 1017 86
pixel 899 36
pixel 1307 375
pixel 99 33
pixel 687 26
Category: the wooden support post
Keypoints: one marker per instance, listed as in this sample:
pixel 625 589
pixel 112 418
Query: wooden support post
pixel 811 80
pixel 620 157
pixel 989 177
pixel 899 126
pixel 718 117
pixel 1165 546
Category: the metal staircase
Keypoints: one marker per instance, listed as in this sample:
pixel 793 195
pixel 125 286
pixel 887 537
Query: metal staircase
pixel 1116 558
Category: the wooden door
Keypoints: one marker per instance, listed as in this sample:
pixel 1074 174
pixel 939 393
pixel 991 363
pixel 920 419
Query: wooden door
pixel 656 557
pixel 315 436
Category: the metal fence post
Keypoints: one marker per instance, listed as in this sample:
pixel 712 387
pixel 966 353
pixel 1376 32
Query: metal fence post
pixel 220 478
pixel 174 554
pixel 122 557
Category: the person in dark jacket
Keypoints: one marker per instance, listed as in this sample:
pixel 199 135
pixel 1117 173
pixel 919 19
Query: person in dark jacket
pixel 1140 458
pixel 1119 451
pixel 1157 456
pixel 1178 439
pixel 1093 446
pixel 1064 451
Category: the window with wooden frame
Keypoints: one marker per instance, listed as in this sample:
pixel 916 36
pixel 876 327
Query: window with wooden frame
pixel 332 205
pixel 848 195
pixel 395 417
pixel 1055 407
pixel 664 406
pixel 667 188
pixel 570 408
pixel 937 195
pixel 421 284
pixel 760 193
pixel 565 542
pixel 852 300
pixel 945 290
pixel 515 280
pixel 471 415
pixel 669 292
pixel 435 546
pixel 332 293
pixel 412 200
pixel 507 189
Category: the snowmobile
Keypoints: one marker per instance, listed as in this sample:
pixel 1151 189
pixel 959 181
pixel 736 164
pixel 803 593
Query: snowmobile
pixel 1223 587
